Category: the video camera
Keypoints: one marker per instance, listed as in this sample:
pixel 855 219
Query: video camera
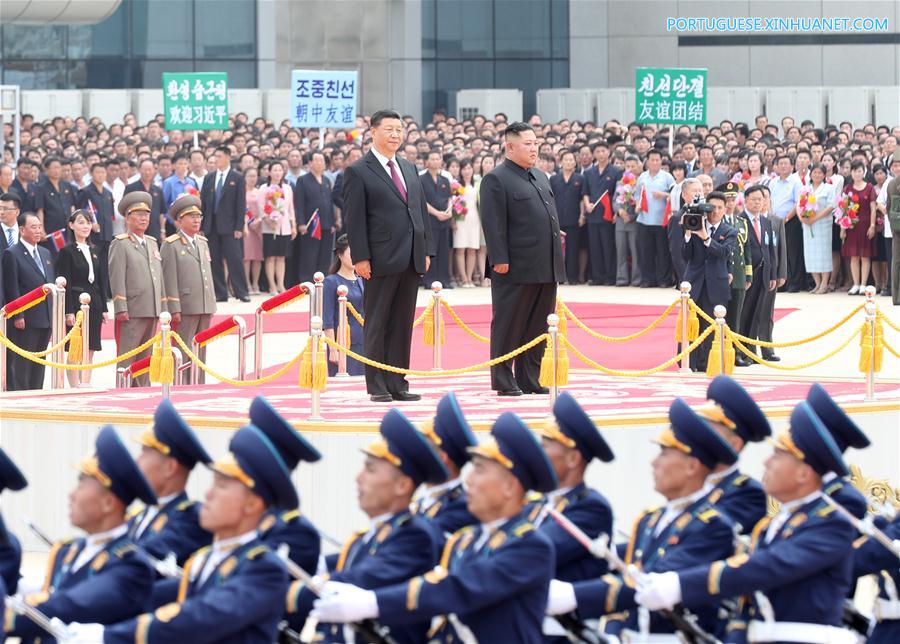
pixel 694 214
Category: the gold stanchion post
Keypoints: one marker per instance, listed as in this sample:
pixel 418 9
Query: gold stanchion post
pixel 719 311
pixel 85 300
pixel 553 329
pixel 316 334
pixel 871 316
pixel 437 321
pixel 685 313
pixel 342 330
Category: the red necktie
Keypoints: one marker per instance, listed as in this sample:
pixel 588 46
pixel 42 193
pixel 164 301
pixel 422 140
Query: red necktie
pixel 756 228
pixel 396 179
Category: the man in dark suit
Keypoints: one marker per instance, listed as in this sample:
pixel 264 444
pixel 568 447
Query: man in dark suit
pixel 23 185
pixel 674 233
pixel 521 229
pixel 601 179
pixel 780 272
pixel 147 171
pixel 54 201
pixel 706 253
pixel 762 254
pixel 391 246
pixel 9 229
pixel 27 266
pixel 224 209
pixel 312 194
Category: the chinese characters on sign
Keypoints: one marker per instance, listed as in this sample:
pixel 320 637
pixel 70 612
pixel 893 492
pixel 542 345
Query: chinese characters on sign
pixel 196 101
pixel 676 96
pixel 323 98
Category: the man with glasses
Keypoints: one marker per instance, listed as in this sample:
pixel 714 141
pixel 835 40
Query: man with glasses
pixel 136 280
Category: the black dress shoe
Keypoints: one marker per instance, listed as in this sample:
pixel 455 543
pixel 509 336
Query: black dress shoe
pixel 509 392
pixel 540 390
pixel 741 361
pixel 380 398
pixel 405 396
pixel 244 298
pixel 221 299
pixel 771 358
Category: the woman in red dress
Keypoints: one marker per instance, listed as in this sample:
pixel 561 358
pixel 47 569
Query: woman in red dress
pixel 859 241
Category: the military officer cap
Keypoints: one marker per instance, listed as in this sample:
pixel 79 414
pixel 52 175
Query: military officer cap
pixel 185 204
pixel 11 477
pixel 290 443
pixel 171 435
pixel 691 434
pixel 255 461
pixel 134 201
pixel 571 426
pixel 845 432
pixel 513 446
pixel 733 407
pixel 116 470
pixel 407 449
pixel 729 189
pixel 809 440
pixel 451 431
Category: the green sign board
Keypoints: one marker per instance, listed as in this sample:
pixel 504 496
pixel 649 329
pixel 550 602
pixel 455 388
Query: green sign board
pixel 676 96
pixel 196 101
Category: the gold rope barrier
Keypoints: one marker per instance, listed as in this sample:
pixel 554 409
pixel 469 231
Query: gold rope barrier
pixel 355 314
pixel 465 327
pixel 891 349
pixel 625 338
pixel 78 318
pixel 752 355
pixel 231 381
pixel 77 367
pixel 421 318
pixel 888 321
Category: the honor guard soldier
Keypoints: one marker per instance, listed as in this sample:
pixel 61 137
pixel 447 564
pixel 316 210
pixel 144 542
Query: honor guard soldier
pixel 11 478
pixel 136 280
pixel 103 577
pixel 397 545
pixel 845 434
pixel 797 572
pixel 687 531
pixel 739 420
pixel 444 504
pixel 492 580
pixel 287 526
pixel 871 557
pixel 187 272
pixel 233 590
pixel 740 264
pixel 170 530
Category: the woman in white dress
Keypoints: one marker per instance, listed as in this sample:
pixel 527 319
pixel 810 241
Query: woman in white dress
pixel 467 229
pixel 817 230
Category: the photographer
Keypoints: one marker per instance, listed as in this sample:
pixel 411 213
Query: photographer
pixel 690 189
pixel 708 243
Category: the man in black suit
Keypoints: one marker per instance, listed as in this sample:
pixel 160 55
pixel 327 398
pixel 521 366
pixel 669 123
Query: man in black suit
pixel 521 229
pixel 23 185
pixel 9 229
pixel 144 183
pixel 706 253
pixel 762 254
pixel 27 266
pixel 391 247
pixel 224 210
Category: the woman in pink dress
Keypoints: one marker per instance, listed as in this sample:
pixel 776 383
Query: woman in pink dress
pixel 279 227
pixel 859 241
pixel 253 245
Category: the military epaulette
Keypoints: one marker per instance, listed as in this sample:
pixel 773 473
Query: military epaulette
pixel 150 237
pixel 290 515
pixel 184 505
pixel 253 553
pixel 834 487
pixel 534 497
pixel 124 549
pixel 201 236
pixel 173 238
pixel 523 528
pixel 707 515
pixel 824 511
pixel 122 236
pixel 403 519
pixel 740 480
pixel 134 511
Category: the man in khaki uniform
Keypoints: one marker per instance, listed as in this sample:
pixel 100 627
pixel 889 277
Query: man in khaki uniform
pixel 187 272
pixel 136 280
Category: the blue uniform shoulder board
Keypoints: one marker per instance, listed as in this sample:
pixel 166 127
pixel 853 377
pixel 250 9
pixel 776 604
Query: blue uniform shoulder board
pixel 136 510
pixel 290 515
pixel 124 549
pixel 824 511
pixel 707 515
pixel 534 497
pixel 184 505
pixel 740 480
pixel 834 487
pixel 253 553
pixel 523 528
pixel 266 524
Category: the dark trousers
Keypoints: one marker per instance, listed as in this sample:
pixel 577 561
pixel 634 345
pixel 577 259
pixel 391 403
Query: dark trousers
pixel 767 320
pixel 574 244
pixel 753 302
pixel 103 255
pixel 519 315
pixel 439 270
pixel 796 266
pixel 653 254
pixel 21 373
pixel 700 355
pixel 602 250
pixel 390 306
pixel 735 306
pixel 225 249
pixel 315 255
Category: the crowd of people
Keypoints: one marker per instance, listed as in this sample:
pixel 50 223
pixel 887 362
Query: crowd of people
pixel 812 208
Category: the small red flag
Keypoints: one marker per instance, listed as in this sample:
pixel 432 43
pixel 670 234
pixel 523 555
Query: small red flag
pixel 645 207
pixel 668 212
pixel 58 239
pixel 607 207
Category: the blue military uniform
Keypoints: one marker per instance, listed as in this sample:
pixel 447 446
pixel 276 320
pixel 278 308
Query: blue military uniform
pixel 797 571
pixel 445 505
pixel 238 598
pixel 870 557
pixel 399 547
pixel 11 478
pixel 287 526
pixel 174 527
pixel 846 434
pixel 113 584
pixel 492 579
pixel 735 494
pixel 695 533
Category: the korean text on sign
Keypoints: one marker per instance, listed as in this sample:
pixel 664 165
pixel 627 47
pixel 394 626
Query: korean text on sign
pixel 675 96
pixel 196 101
pixel 323 98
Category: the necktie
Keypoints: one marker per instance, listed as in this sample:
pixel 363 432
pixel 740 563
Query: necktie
pixel 712 232
pixel 219 183
pixel 396 179
pixel 9 240
pixel 37 260
pixel 756 228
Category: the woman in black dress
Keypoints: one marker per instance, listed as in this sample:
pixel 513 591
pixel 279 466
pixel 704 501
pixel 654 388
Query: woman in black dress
pixel 79 262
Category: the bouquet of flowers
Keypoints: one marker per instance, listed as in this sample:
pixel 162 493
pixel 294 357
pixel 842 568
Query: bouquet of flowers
pixel 846 213
pixel 625 190
pixel 740 178
pixel 190 190
pixel 458 201
pixel 806 204
pixel 274 205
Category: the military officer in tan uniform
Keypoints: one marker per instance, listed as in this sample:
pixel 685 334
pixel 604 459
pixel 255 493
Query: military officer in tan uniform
pixel 187 271
pixel 136 280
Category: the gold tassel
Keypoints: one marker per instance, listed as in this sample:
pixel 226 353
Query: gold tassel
pixel 545 379
pixel 306 375
pixel 693 329
pixel 428 325
pixel 865 348
pixel 562 367
pixel 320 377
pixel 713 368
pixel 166 364
pixel 76 346
pixel 678 326
pixel 347 337
pixel 155 358
pixel 563 321
pixel 729 356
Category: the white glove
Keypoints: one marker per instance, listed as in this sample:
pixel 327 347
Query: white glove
pixel 659 590
pixel 168 567
pixel 561 598
pixel 84 633
pixel 283 551
pixel 343 603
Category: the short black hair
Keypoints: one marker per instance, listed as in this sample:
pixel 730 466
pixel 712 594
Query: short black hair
pixel 715 194
pixel 654 151
pixel 380 115
pixel 22 219
pixel 179 156
pixel 756 187
pixel 99 164
pixel 223 148
pixel 11 196
pixel 50 160
pixel 517 127
pixel 857 164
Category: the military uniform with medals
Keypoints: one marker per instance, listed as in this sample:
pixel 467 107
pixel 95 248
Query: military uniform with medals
pixel 740 264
